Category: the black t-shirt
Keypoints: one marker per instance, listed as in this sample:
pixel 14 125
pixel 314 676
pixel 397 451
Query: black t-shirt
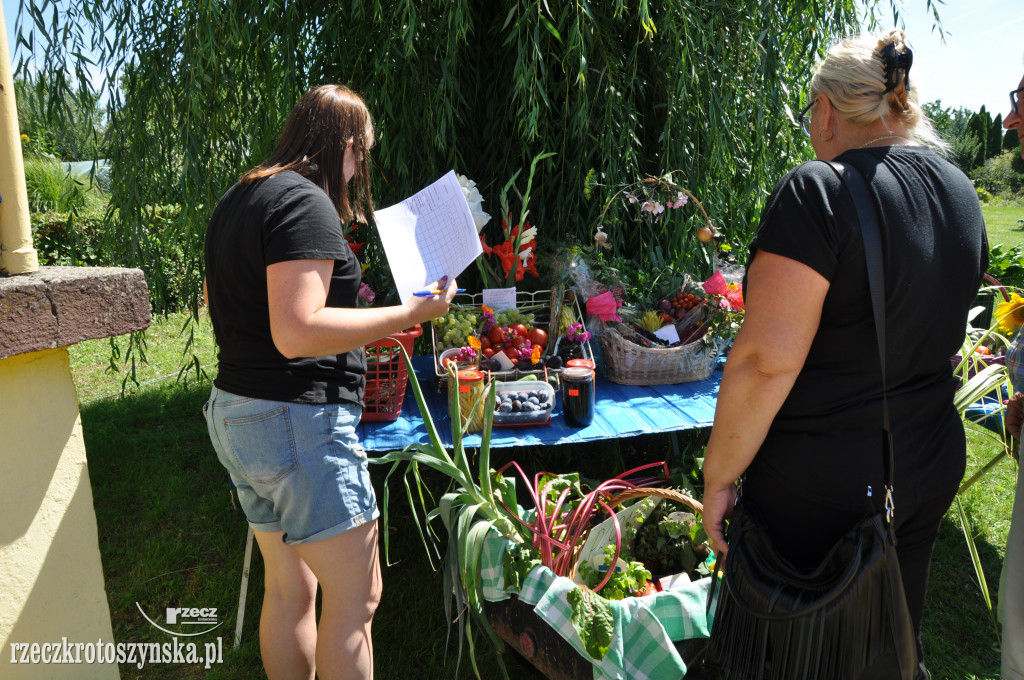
pixel 280 218
pixel 828 430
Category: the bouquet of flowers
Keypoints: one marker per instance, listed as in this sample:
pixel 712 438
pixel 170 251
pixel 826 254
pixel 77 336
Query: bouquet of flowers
pixel 517 254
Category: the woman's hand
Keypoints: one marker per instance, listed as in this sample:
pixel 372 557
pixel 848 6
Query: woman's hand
pixel 423 309
pixel 1015 414
pixel 718 504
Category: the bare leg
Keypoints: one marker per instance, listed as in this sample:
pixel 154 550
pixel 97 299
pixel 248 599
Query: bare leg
pixel 348 569
pixel 288 620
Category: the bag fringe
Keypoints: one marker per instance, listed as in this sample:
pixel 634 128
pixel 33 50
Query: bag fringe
pixel 838 641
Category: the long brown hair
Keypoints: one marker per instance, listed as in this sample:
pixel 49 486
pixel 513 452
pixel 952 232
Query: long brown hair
pixel 313 144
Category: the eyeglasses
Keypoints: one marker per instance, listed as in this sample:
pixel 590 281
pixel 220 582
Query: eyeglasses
pixel 804 120
pixel 1015 100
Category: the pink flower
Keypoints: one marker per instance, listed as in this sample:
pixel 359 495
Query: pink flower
pixel 734 294
pixel 716 284
pixel 577 334
pixel 366 294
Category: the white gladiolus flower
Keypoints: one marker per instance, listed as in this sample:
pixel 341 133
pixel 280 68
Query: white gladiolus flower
pixel 476 202
pixel 528 235
pixel 524 254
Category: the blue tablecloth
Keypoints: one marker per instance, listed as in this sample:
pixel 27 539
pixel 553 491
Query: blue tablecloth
pixel 622 411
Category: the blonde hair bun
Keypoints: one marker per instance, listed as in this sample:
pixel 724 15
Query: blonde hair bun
pixel 867 78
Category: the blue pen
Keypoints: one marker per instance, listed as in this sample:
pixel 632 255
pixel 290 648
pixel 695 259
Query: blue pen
pixel 432 293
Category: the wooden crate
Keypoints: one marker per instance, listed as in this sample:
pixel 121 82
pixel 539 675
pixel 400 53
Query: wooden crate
pixel 519 626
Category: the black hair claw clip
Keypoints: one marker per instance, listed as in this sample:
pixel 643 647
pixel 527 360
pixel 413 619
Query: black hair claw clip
pixel 895 62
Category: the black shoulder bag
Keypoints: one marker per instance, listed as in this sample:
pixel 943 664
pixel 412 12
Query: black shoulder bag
pixel 779 623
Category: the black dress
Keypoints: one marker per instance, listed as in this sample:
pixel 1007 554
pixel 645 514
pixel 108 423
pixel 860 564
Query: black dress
pixel 810 475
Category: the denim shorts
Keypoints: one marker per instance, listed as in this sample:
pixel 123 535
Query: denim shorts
pixel 297 468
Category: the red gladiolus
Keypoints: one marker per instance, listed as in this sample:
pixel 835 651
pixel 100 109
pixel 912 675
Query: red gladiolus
pixel 507 257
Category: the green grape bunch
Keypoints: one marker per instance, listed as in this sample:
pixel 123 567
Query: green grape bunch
pixel 507 317
pixel 453 329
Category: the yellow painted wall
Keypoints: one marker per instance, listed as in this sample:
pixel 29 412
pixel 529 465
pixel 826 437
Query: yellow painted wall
pixel 51 578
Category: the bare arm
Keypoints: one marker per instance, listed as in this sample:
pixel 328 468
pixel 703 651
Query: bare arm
pixel 782 315
pixel 303 326
pixel 1014 414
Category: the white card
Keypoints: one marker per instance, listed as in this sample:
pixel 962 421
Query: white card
pixel 668 333
pixel 500 298
pixel 503 361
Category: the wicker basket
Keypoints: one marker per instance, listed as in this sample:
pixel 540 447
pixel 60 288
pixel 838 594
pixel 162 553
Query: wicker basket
pixel 630 364
pixel 667 494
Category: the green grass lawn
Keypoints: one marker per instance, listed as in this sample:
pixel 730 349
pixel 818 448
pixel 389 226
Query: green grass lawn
pixel 1001 224
pixel 170 536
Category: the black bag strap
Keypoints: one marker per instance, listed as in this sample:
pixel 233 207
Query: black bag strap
pixel 857 187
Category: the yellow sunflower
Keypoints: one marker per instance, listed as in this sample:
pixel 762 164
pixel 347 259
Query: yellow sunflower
pixel 1010 314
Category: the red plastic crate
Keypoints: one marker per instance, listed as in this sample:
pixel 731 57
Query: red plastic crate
pixel 387 376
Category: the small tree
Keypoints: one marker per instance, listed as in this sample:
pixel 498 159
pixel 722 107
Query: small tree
pixel 1011 140
pixel 979 125
pixel 954 125
pixel 994 146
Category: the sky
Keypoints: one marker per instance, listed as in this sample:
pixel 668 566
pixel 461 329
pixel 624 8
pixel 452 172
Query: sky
pixel 981 61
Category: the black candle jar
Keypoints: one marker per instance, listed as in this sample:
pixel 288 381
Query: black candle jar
pixel 578 396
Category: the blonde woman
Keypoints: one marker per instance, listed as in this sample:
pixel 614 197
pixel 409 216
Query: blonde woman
pixel 799 409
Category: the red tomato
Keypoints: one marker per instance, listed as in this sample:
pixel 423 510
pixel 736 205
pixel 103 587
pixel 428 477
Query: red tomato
pixel 538 336
pixel 485 342
pixel 487 352
pixel 518 341
pixel 648 589
pixel 515 361
pixel 496 335
pixel 519 329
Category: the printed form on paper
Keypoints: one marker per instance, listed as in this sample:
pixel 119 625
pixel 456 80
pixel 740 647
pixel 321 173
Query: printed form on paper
pixel 428 235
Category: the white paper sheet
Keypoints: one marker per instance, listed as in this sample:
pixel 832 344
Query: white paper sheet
pixel 428 235
pixel 500 298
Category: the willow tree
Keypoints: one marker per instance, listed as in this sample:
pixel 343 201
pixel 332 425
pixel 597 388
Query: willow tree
pixel 197 92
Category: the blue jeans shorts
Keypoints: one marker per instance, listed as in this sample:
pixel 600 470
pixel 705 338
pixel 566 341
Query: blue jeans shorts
pixel 297 468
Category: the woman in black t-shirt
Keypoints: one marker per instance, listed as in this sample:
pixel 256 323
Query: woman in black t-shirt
pixel 799 409
pixel 281 284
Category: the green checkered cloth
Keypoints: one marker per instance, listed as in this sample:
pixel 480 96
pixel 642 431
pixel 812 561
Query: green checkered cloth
pixel 645 627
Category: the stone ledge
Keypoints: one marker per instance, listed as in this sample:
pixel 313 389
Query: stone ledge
pixel 61 306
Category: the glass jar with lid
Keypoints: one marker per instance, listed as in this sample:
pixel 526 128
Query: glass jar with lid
pixel 578 396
